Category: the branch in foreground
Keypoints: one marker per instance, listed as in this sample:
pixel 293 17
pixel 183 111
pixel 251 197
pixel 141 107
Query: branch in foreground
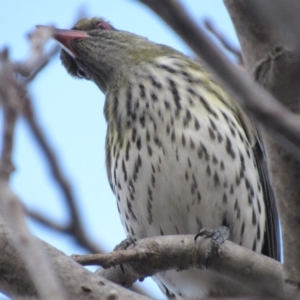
pixel 268 33
pixel 36 260
pixel 224 42
pixel 35 63
pixel 46 221
pixel 43 62
pixel 10 98
pixel 24 241
pixel 250 95
pixel 75 228
pixel 38 38
pixel 248 272
pixel 78 282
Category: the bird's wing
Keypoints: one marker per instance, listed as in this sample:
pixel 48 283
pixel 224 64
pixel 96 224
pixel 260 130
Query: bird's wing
pixel 108 163
pixel 272 238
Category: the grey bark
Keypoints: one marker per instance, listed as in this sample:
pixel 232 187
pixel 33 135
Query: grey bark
pixel 268 33
pixel 77 282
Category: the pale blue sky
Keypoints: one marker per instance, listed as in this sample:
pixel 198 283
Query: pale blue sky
pixel 71 113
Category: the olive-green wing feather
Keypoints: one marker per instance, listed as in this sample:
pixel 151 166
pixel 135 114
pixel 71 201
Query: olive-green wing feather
pixel 272 236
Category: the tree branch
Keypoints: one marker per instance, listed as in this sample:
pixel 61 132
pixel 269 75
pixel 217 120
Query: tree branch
pixel 268 33
pixel 41 64
pixel 37 263
pixel 46 221
pixel 248 271
pixel 75 227
pixel 38 38
pixel 30 68
pixel 10 99
pixel 224 41
pixel 78 282
pixel 270 45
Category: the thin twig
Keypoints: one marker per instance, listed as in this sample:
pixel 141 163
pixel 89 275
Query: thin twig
pixel 75 227
pixel 42 64
pixel 10 98
pixel 224 41
pixel 46 221
pixel 38 38
pixel 37 263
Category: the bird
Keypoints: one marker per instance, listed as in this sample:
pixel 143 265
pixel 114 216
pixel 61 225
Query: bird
pixel 181 154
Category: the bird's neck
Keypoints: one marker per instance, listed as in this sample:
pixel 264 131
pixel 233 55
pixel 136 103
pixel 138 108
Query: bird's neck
pixel 160 91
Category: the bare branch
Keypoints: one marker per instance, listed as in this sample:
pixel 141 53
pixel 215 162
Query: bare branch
pixel 224 41
pixel 42 64
pixel 75 228
pixel 246 269
pixel 46 221
pixel 35 64
pixel 30 68
pixel 268 33
pixel 36 261
pixel 38 39
pixel 10 92
pixel 78 282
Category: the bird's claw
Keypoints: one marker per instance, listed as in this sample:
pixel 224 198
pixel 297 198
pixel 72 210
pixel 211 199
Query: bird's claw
pixel 218 237
pixel 125 243
pixel 123 246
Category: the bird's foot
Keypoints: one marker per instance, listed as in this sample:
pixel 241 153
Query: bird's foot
pixel 123 246
pixel 125 243
pixel 218 237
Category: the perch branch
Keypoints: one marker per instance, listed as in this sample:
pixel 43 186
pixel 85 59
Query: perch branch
pixel 245 268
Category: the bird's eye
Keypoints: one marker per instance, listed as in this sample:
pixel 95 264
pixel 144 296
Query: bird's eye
pixel 81 74
pixel 103 25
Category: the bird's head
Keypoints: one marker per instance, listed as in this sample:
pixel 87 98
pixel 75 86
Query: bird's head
pixel 93 49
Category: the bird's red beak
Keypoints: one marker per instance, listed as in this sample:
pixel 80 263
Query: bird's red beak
pixel 65 38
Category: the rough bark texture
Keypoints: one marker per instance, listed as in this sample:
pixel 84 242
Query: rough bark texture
pixel 78 282
pixel 240 270
pixel 266 30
